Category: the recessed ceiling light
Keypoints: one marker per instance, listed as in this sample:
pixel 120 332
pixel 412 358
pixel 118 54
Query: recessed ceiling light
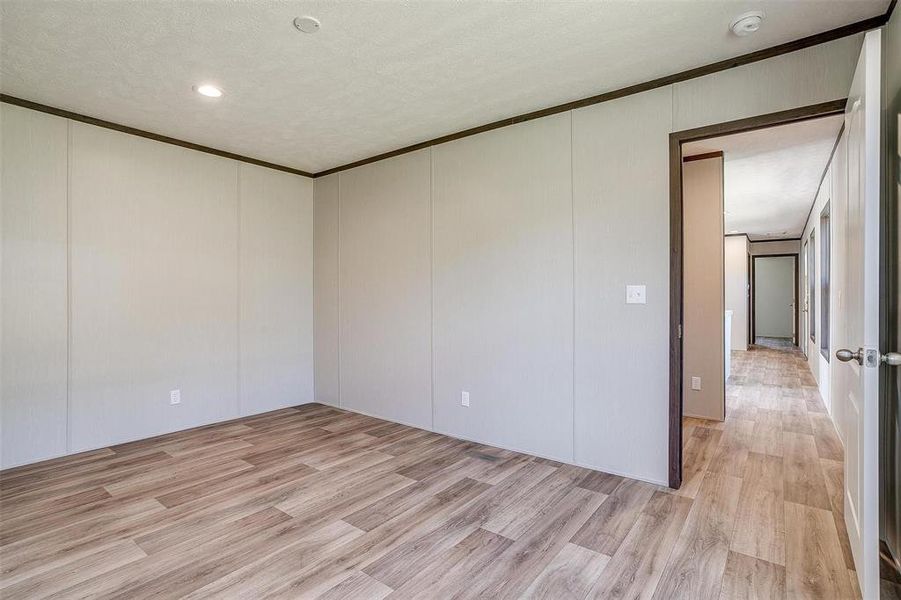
pixel 747 23
pixel 307 24
pixel 210 91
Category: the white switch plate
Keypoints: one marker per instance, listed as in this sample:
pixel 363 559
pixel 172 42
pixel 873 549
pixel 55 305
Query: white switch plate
pixel 696 383
pixel 175 397
pixel 636 294
pixel 464 398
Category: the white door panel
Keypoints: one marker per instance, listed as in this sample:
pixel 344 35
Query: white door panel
pixel 856 316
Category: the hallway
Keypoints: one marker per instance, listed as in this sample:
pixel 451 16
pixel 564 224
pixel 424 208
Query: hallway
pixel 777 467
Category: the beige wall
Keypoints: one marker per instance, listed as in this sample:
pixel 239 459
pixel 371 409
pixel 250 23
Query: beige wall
pixel 33 320
pixel 775 247
pixel 496 268
pixel 385 318
pixel 702 346
pixel 834 182
pixel 185 271
pixel 735 279
pixel 503 287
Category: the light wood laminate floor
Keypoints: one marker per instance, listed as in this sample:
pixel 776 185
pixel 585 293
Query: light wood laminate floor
pixel 314 502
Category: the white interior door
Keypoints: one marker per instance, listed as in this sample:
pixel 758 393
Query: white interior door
pixel 855 375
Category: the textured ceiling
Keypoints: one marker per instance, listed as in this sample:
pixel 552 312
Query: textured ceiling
pixel 379 75
pixel 771 175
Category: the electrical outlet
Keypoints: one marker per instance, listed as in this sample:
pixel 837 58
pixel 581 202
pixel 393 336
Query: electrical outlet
pixel 464 398
pixel 175 397
pixel 696 383
pixel 636 294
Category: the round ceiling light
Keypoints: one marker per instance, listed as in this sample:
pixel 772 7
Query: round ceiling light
pixel 307 24
pixel 747 23
pixel 210 91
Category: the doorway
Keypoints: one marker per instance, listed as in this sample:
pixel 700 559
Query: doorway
pixel 677 238
pixel 774 314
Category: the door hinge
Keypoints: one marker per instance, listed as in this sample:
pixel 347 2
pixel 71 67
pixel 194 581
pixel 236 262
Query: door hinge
pixel 680 331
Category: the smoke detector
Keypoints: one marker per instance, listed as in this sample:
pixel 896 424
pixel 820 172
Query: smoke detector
pixel 307 24
pixel 747 23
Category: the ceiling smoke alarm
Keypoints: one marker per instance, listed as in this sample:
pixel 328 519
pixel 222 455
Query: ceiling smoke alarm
pixel 307 24
pixel 747 23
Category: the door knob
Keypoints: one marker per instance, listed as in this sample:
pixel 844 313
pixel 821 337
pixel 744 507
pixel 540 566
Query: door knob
pixel 892 359
pixel 846 355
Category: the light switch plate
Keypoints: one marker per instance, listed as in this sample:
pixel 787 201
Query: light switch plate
pixel 636 294
pixel 696 383
pixel 464 398
pixel 175 397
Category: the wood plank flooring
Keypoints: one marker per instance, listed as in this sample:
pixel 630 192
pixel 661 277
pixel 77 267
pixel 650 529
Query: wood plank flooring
pixel 315 502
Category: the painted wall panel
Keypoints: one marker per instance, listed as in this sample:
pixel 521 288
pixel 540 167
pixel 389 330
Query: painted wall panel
pixel 819 365
pixel 503 287
pixel 780 247
pixel 325 288
pixel 385 289
pixel 276 295
pixel 33 284
pixel 703 291
pixel 154 287
pixel 736 284
pixel 810 76
pixel 621 216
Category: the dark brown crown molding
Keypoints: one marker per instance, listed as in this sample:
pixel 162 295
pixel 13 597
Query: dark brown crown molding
pixel 145 134
pixel 729 63
pixel 769 241
pixel 704 156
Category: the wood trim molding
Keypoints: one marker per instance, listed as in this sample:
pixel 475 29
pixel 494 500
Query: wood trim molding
pixel 723 65
pixel 704 156
pixel 676 139
pixel 50 110
pixel 716 67
pixel 797 239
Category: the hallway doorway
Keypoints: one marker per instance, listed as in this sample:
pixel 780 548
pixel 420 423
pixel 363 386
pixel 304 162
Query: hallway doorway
pixel 774 306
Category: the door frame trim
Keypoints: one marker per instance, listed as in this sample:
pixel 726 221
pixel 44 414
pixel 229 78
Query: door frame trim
pixel 676 139
pixel 797 335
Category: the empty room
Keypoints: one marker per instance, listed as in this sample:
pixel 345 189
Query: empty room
pixel 531 299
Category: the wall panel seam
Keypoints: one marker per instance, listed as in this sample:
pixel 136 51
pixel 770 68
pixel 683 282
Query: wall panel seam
pixel 68 286
pixel 238 275
pixel 338 288
pixel 432 283
pixel 572 214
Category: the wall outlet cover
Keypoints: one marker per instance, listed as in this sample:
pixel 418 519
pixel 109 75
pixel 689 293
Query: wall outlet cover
pixel 636 294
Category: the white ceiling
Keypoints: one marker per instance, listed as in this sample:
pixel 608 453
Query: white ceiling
pixel 771 175
pixel 379 75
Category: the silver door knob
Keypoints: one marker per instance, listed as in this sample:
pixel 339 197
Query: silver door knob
pixel 892 359
pixel 846 355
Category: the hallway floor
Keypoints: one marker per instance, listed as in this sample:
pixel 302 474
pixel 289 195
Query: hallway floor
pixel 774 471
